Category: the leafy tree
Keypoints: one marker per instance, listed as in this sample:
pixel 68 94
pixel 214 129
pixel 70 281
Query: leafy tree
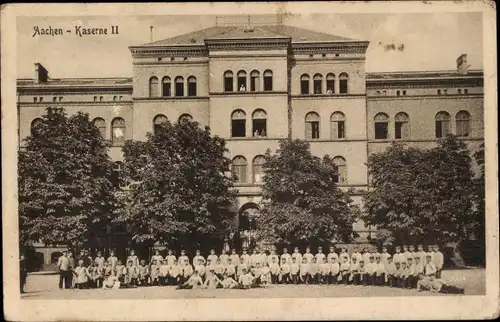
pixel 66 181
pixel 302 202
pixel 421 194
pixel 479 194
pixel 179 192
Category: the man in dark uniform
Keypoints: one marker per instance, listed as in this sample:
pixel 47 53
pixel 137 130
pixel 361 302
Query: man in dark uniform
pixel 23 272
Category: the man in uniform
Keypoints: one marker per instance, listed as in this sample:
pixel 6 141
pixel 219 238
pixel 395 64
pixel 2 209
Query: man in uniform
pixel 286 256
pixel 438 260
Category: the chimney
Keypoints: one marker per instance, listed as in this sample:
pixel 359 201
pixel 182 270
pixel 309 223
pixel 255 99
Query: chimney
pixel 151 33
pixel 462 65
pixel 41 74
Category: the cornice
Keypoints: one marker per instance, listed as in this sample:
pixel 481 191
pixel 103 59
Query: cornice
pixel 437 82
pixel 77 103
pixel 249 94
pixel 171 98
pixel 74 89
pixel 429 96
pixel 168 62
pixel 338 47
pixel 168 51
pixel 328 96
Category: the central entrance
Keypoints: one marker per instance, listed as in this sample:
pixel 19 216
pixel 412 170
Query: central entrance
pixel 247 225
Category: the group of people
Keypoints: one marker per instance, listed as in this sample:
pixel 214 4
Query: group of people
pixel 406 268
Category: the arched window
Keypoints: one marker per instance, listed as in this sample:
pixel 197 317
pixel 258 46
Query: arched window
pixel 268 80
pixel 228 81
pixel 381 126
pixel 118 131
pixel 330 84
pixel 157 121
pixel 101 125
pixel 153 87
pixel 341 177
pixel 191 86
pixel 343 80
pixel 185 118
pixel 34 125
pixel 238 124
pixel 318 83
pixel 312 126
pixel 259 123
pixel 254 81
pixel 463 123
pixel 114 98
pixel 166 87
pixel 258 168
pixel 402 126
pixel 304 84
pixel 239 169
pixel 179 86
pixel 442 124
pixel 337 122
pixel 242 81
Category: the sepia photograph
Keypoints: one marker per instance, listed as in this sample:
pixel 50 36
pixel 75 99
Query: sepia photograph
pixel 252 155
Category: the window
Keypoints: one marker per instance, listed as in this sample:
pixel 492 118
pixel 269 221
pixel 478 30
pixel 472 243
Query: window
pixel 442 124
pixel 41 99
pixel 268 80
pixel 34 125
pixel 100 98
pixel 381 126
pixel 466 91
pixel 312 126
pixel 153 87
pixel 402 126
pixel 439 92
pixel 157 121
pixel 463 123
pixel 337 122
pixel 166 87
pixel 228 81
pixel 34 99
pixel 179 86
pixel 258 168
pixel 378 92
pixel 185 118
pixel 114 98
pixel 330 84
pixel 398 93
pixel 119 182
pixel 343 79
pixel 259 123
pixel 445 91
pixel 191 86
pixel 101 125
pixel 254 81
pixel 238 124
pixel 384 92
pixel 341 177
pixel 239 169
pixel 60 98
pixel 121 98
pixel 118 131
pixel 242 81
pixel 317 83
pixel 404 92
pixel 304 84
pixel 459 91
pixel 54 99
pixel 95 98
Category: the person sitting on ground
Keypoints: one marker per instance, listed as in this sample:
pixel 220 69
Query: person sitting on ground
pixel 228 282
pixel 82 275
pixel 120 271
pixel 436 285
pixel 155 273
pixel 265 277
pixel 111 281
pixel 193 282
pixel 246 280
pixel 212 282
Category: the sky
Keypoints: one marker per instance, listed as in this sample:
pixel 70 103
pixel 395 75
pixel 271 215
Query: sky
pixel 431 41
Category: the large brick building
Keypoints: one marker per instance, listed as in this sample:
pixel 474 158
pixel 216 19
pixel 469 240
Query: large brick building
pixel 256 85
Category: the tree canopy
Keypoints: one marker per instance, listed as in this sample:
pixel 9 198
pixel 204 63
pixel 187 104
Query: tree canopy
pixel 302 202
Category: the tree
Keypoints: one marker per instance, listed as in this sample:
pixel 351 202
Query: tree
pixel 302 202
pixel 479 196
pixel 421 195
pixel 179 193
pixel 66 181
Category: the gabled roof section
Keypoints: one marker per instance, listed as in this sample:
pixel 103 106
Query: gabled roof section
pixel 296 35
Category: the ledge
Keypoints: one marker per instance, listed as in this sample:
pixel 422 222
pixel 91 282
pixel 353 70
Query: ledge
pixel 171 98
pixel 327 96
pixel 465 138
pixel 256 139
pixel 430 96
pixel 249 93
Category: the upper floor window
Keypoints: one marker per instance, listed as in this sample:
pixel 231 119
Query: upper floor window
pixel 100 98
pixel 238 124
pixel 153 87
pixel 114 98
pixel 95 98
pixel 341 177
pixel 34 99
pixel 185 118
pixel 166 87
pixel 402 126
pixel 466 91
pixel 228 81
pixel 35 125
pixel 330 84
pixel 191 86
pixel 381 126
pixel 259 123
pixel 101 125
pixel 337 121
pixel 439 92
pixel 459 91
pixel 318 83
pixel 158 121
pixel 404 93
pixel 255 81
pixel 179 86
pixel 304 84
pixel 239 169
pixel 312 126
pixel 442 124
pixel 445 91
pixel 258 168
pixel 398 93
pixel 268 80
pixel 118 131
pixel 54 99
pixel 463 123
pixel 343 83
pixel 242 81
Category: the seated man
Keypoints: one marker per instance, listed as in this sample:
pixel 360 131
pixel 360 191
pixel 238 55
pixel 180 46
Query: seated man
pixel 193 282
pixel 436 285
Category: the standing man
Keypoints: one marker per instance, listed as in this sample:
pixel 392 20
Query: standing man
pixel 332 255
pixel 286 256
pixel 296 254
pixel 235 259
pixel 198 260
pixel 72 266
pixel 398 257
pixel 245 257
pixel 64 270
pixel 23 272
pixel 308 256
pixel 223 258
pixel 320 256
pixel 273 258
pixel 438 260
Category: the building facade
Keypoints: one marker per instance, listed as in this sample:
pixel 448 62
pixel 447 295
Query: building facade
pixel 256 85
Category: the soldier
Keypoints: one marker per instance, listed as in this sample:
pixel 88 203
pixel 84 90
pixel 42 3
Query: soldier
pixel 286 256
pixel 438 260
pixel 296 254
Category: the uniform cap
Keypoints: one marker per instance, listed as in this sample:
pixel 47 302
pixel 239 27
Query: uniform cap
pixel 388 256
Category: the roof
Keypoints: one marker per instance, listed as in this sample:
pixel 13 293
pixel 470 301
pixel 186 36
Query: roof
pixel 431 74
pixel 239 32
